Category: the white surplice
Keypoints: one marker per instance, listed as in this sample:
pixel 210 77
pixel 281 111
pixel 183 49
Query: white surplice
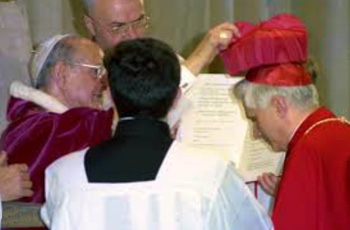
pixel 193 190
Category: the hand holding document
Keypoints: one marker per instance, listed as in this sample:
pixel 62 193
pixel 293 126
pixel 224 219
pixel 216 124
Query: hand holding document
pixel 257 158
pixel 215 120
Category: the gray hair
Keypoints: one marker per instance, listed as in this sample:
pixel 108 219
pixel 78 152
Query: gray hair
pixel 259 95
pixel 63 50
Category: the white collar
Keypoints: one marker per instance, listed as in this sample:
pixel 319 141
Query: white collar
pixel 28 93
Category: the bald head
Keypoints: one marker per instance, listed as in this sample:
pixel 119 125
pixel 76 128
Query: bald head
pixel 83 48
pixel 90 4
pixel 104 17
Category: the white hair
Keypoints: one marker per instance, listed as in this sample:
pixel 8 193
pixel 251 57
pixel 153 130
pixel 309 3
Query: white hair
pixel 259 95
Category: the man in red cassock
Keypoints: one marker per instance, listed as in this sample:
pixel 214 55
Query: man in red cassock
pixel 64 114
pixel 313 193
pixel 280 98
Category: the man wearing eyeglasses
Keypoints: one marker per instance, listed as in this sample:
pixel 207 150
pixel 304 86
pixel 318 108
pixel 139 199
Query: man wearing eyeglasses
pixel 63 114
pixel 113 21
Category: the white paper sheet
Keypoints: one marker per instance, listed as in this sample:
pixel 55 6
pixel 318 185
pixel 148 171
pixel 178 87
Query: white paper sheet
pixel 217 121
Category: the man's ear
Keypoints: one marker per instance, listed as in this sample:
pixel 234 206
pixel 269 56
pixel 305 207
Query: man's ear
pixel 280 105
pixel 89 24
pixel 177 98
pixel 58 74
pixel 174 114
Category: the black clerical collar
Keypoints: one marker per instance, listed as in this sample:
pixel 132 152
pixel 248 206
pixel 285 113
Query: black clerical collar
pixel 142 126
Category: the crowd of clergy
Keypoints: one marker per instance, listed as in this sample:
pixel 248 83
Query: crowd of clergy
pixel 89 139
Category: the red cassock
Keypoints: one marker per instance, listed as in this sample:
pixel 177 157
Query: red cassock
pixel 37 137
pixel 314 192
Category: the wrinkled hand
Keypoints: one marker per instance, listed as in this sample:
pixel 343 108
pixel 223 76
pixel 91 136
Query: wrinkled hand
pixel 217 39
pixel 269 182
pixel 14 180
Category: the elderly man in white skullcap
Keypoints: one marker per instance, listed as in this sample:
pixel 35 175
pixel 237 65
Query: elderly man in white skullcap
pixel 63 114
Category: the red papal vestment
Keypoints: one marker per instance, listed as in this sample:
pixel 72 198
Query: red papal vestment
pixel 37 137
